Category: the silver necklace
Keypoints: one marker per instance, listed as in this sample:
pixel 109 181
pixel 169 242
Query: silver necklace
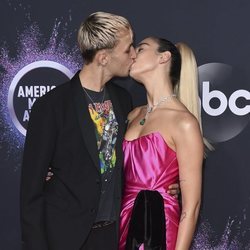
pixel 150 109
pixel 93 100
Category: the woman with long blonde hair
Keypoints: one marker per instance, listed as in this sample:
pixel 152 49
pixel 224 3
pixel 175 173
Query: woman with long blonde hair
pixel 163 145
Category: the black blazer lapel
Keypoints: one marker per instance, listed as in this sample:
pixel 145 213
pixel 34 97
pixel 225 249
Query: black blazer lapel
pixel 85 121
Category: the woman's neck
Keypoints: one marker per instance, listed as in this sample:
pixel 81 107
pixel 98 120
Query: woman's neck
pixel 158 90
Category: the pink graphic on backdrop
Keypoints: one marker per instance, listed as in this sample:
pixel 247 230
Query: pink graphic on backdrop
pixel 31 47
pixel 207 239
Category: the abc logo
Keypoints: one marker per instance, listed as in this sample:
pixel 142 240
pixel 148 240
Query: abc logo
pixel 225 105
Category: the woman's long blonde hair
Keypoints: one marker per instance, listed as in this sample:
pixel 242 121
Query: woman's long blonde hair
pixel 187 88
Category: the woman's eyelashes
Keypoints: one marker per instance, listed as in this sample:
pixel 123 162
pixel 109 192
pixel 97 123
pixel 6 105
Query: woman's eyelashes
pixel 139 49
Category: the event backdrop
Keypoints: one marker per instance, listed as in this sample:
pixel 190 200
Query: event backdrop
pixel 38 51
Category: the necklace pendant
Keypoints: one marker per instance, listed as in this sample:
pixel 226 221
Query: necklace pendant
pixel 142 121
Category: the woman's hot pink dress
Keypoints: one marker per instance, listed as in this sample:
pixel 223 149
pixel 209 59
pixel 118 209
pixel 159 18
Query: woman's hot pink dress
pixel 149 164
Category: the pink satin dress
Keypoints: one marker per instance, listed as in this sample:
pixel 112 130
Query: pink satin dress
pixel 150 164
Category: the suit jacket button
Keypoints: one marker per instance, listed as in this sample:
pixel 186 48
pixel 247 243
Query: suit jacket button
pixel 97 181
pixel 92 210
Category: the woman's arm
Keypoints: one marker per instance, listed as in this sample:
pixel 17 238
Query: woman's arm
pixel 190 152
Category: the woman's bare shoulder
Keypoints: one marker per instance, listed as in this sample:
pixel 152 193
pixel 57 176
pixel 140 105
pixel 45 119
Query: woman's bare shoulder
pixel 178 119
pixel 187 120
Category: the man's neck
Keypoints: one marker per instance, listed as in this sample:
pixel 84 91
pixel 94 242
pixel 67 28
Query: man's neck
pixel 93 77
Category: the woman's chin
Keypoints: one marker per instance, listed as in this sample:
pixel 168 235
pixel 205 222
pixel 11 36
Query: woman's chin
pixel 132 74
pixel 135 78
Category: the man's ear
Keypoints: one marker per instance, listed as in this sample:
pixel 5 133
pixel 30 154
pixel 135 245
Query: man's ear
pixel 101 57
pixel 165 57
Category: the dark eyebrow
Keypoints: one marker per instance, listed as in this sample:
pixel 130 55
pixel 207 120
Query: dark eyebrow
pixel 140 44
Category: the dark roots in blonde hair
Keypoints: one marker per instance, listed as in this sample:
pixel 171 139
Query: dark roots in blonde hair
pixel 175 68
pixel 184 76
pixel 101 30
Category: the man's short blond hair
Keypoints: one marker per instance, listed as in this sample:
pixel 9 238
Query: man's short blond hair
pixel 100 30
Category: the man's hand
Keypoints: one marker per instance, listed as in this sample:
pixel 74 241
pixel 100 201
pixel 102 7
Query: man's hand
pixel 174 190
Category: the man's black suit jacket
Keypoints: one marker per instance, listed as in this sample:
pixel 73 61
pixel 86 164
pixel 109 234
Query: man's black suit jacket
pixel 58 214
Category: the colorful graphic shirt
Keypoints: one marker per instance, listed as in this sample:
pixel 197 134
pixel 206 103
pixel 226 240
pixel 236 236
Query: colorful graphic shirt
pixel 106 129
pixel 103 116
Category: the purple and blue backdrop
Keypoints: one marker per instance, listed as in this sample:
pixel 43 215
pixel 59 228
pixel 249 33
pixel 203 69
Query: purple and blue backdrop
pixel 38 51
